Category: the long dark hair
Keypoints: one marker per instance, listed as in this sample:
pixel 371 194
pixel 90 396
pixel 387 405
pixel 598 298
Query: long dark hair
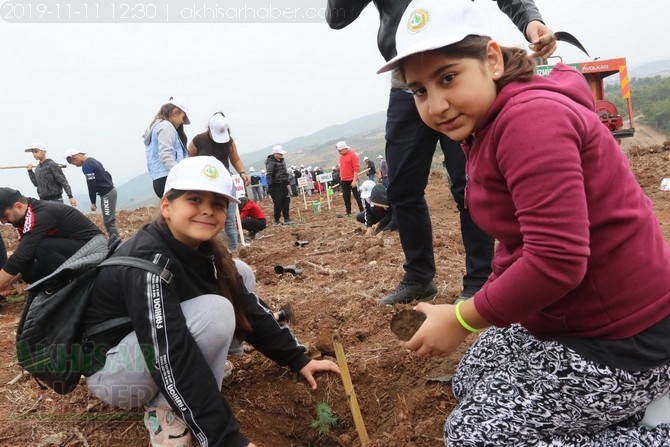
pixel 164 114
pixel 229 280
pixel 518 65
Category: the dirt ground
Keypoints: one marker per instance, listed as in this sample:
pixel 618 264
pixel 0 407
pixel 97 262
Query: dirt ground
pixel 343 272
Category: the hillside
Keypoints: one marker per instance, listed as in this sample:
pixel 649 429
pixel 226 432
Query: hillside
pixel 343 272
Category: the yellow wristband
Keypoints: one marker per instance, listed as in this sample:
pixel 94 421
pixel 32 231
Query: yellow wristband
pixel 461 320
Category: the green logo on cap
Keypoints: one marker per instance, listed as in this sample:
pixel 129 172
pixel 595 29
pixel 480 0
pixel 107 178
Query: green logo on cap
pixel 418 20
pixel 210 172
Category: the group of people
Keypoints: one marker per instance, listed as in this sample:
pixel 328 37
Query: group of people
pixel 48 178
pixel 572 307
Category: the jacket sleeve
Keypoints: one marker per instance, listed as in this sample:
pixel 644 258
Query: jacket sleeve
pixel 340 13
pixel 174 359
pixel 24 256
pixel 520 12
pixel 60 178
pixel 31 174
pixel 91 182
pixel 271 339
pixel 270 171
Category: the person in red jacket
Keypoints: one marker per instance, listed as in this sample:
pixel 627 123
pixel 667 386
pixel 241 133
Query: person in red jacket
pixel 253 218
pixel 577 308
pixel 349 167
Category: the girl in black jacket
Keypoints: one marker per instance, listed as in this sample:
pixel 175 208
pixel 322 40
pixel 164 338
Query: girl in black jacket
pixel 172 359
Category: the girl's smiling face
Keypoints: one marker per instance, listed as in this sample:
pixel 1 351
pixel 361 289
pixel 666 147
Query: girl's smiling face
pixel 453 94
pixel 195 216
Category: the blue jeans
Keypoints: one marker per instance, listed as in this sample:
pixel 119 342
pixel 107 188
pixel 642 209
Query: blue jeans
pixel 230 227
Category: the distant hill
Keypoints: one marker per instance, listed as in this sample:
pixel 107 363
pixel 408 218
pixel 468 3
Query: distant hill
pixel 365 135
pixel 657 68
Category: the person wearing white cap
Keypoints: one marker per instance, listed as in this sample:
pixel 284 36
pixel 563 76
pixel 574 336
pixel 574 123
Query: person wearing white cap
pixel 218 142
pixel 349 168
pixel 383 171
pixel 410 146
pixel 278 185
pixel 99 182
pixel 165 141
pixel 256 187
pixel 183 323
pixel 577 309
pixel 48 176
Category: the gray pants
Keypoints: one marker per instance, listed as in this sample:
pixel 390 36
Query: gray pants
pixel 108 208
pixel 125 380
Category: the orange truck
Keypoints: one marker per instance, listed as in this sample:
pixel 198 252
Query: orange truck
pixel 595 73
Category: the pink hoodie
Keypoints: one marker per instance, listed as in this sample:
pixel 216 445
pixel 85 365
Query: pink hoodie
pixel 580 251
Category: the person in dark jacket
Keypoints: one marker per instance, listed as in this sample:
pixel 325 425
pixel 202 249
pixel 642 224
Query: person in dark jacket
pixel 99 182
pixel 49 233
pixel 171 359
pixel 277 178
pixel 378 213
pixel 410 146
pixel 48 176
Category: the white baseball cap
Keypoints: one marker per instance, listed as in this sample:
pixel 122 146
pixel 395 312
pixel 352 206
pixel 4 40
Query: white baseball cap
pixel 366 188
pixel 179 102
pixel 341 145
pixel 201 173
pixel 278 150
pixel 380 156
pixel 72 152
pixel 365 158
pixel 218 128
pixel 431 24
pixel 38 146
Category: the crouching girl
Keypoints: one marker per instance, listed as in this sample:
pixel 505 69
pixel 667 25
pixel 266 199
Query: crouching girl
pixel 171 359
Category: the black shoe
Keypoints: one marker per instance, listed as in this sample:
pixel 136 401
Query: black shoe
pixel 468 292
pixel 406 292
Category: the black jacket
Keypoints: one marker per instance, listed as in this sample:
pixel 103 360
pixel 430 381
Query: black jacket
pixel 124 291
pixel 49 180
pixel 341 13
pixel 276 171
pixel 47 220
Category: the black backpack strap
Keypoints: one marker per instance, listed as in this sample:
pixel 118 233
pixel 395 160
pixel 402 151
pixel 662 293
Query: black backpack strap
pixel 126 261
pixel 130 261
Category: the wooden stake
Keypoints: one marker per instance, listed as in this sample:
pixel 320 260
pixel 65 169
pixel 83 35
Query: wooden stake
pixel 349 391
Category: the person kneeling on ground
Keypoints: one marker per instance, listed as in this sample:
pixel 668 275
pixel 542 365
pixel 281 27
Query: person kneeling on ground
pixel 253 218
pixel 378 214
pixel 172 358
pixel 577 309
pixel 49 233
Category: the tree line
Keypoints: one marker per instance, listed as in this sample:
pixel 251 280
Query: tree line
pixel 651 100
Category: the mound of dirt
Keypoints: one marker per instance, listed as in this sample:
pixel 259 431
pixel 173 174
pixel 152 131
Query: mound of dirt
pixel 343 272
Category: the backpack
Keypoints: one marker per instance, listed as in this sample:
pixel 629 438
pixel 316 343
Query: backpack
pixel 50 343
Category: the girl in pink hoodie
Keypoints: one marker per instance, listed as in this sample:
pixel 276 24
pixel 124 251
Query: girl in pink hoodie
pixel 577 309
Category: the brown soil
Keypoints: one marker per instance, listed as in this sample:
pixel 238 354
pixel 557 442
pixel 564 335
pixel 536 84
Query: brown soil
pixel 343 273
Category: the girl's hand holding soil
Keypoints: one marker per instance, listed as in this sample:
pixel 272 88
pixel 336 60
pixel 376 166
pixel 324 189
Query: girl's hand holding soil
pixel 440 334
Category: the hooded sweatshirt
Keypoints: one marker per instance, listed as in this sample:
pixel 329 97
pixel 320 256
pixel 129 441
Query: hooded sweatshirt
pixel 580 252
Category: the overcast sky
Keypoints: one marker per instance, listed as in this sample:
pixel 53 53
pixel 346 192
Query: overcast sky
pixel 96 86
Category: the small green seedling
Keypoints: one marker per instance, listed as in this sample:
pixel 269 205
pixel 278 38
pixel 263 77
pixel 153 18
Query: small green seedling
pixel 325 419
